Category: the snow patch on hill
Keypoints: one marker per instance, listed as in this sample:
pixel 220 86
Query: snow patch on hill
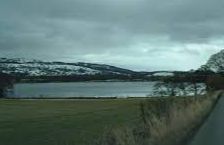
pixel 40 68
pixel 163 74
pixel 215 63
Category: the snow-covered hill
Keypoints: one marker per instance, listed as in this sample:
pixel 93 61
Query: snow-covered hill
pixel 215 63
pixel 40 68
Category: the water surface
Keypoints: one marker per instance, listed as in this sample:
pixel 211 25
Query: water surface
pixel 84 89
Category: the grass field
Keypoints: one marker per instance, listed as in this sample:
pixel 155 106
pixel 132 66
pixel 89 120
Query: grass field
pixel 62 122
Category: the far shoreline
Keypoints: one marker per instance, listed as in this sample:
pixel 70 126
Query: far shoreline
pixel 105 81
pixel 74 98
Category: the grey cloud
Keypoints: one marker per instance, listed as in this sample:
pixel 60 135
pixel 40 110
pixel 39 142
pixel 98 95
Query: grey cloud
pixel 99 30
pixel 177 18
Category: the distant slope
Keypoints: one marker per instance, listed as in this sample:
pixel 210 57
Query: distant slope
pixel 42 71
pixel 215 63
pixel 41 68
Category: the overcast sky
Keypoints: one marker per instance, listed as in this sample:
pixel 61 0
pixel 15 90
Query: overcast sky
pixel 135 34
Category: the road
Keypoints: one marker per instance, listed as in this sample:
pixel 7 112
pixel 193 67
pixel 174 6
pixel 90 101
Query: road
pixel 212 131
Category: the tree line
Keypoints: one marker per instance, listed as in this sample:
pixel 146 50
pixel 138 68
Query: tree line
pixel 194 84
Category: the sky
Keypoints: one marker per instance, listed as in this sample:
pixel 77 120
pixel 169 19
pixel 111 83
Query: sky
pixel 144 35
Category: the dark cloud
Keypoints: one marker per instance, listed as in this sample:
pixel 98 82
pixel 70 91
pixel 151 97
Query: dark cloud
pixel 138 34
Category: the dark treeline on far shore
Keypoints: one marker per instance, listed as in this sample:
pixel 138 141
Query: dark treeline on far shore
pixel 81 78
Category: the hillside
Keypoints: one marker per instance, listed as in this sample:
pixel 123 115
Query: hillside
pixel 215 63
pixel 42 71
pixel 25 67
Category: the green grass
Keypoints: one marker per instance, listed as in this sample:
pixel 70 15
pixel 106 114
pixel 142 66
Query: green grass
pixel 62 122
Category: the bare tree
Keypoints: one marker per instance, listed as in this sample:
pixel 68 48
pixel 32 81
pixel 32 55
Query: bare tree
pixel 179 86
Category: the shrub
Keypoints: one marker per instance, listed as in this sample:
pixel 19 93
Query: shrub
pixel 164 121
pixel 215 82
pixel 6 81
